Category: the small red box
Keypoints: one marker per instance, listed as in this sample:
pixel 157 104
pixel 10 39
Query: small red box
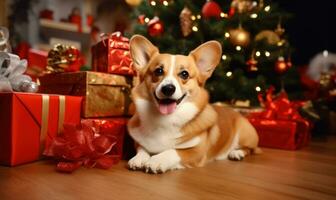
pixel 37 62
pixel 112 55
pixel 28 122
pixel 281 134
pixel 111 126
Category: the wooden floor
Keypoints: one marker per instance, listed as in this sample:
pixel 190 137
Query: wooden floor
pixel 306 174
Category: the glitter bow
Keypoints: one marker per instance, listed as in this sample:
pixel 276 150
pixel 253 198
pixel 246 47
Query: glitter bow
pixel 12 74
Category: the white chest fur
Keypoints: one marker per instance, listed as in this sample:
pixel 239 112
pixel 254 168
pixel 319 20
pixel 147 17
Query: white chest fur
pixel 157 132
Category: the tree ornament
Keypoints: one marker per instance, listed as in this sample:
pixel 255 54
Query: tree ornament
pixel 239 36
pixel 280 65
pixel 185 21
pixel 270 36
pixel 252 63
pixel 261 4
pixel 231 12
pixel 141 19
pixel 279 30
pixel 289 62
pixel 242 6
pixel 155 27
pixel 133 2
pixel 211 9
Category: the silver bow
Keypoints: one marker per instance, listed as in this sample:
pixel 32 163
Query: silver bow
pixel 11 74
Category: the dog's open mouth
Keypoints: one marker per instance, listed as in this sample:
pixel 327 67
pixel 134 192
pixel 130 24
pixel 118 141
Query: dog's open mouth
pixel 168 106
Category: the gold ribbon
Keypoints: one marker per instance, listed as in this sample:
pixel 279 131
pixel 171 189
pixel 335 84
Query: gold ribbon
pixel 45 118
pixel 44 121
pixel 61 113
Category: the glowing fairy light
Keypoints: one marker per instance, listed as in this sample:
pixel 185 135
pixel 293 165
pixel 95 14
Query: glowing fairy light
pixel 258 89
pixel 194 28
pixel 229 73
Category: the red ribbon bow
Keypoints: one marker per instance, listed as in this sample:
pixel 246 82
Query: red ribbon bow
pixel 82 145
pixel 279 108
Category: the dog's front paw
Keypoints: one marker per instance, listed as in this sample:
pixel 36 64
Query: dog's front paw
pixel 138 161
pixel 168 160
pixel 236 155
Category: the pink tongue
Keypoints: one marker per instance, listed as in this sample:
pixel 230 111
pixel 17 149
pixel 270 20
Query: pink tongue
pixel 166 109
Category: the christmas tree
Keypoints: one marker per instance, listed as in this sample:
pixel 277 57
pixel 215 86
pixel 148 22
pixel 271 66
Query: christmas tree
pixel 256 51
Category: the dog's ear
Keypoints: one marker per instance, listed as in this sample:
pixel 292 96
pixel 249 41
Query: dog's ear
pixel 141 52
pixel 207 57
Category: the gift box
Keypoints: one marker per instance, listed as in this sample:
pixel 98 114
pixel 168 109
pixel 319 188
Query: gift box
pixel 105 95
pixel 37 62
pixel 280 125
pixel 29 121
pixel 111 55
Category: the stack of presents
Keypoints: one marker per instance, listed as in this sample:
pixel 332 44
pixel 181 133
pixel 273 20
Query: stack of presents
pixel 79 117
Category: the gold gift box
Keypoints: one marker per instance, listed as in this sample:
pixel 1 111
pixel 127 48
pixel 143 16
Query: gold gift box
pixel 105 95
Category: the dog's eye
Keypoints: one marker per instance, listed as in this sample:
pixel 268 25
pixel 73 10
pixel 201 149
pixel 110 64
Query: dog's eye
pixel 158 71
pixel 184 75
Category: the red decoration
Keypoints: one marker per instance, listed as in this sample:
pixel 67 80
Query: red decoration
pixel 112 55
pixel 155 27
pixel 141 19
pixel 85 145
pixel 47 14
pixel 280 125
pixel 232 11
pixel 89 20
pixel 252 64
pixel 37 62
pixel 76 18
pixel 281 66
pixel 211 9
pixel 29 121
pixel 22 50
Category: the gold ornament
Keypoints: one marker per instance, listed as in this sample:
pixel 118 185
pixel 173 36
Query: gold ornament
pixel 261 4
pixel 133 2
pixel 186 21
pixel 242 6
pixel 239 36
pixel 270 36
pixel 279 30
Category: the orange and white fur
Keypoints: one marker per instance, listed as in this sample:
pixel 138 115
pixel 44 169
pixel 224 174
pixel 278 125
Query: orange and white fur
pixel 174 125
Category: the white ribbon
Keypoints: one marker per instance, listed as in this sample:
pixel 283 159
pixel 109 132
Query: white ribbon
pixel 11 74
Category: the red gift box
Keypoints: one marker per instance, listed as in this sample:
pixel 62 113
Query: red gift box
pixel 111 55
pixel 111 126
pixel 280 125
pixel 281 134
pixel 29 121
pixel 37 62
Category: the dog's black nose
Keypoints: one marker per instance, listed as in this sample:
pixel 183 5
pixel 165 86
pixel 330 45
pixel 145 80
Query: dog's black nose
pixel 168 90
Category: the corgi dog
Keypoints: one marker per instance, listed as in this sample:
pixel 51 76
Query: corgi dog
pixel 174 125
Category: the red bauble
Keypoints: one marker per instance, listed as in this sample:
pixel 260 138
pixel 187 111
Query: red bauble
pixel 232 11
pixel 211 9
pixel 280 65
pixel 155 27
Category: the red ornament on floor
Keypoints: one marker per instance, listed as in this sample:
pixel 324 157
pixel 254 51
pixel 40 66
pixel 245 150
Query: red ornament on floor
pixel 155 27
pixel 211 9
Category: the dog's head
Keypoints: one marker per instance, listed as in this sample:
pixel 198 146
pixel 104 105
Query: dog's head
pixel 172 80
